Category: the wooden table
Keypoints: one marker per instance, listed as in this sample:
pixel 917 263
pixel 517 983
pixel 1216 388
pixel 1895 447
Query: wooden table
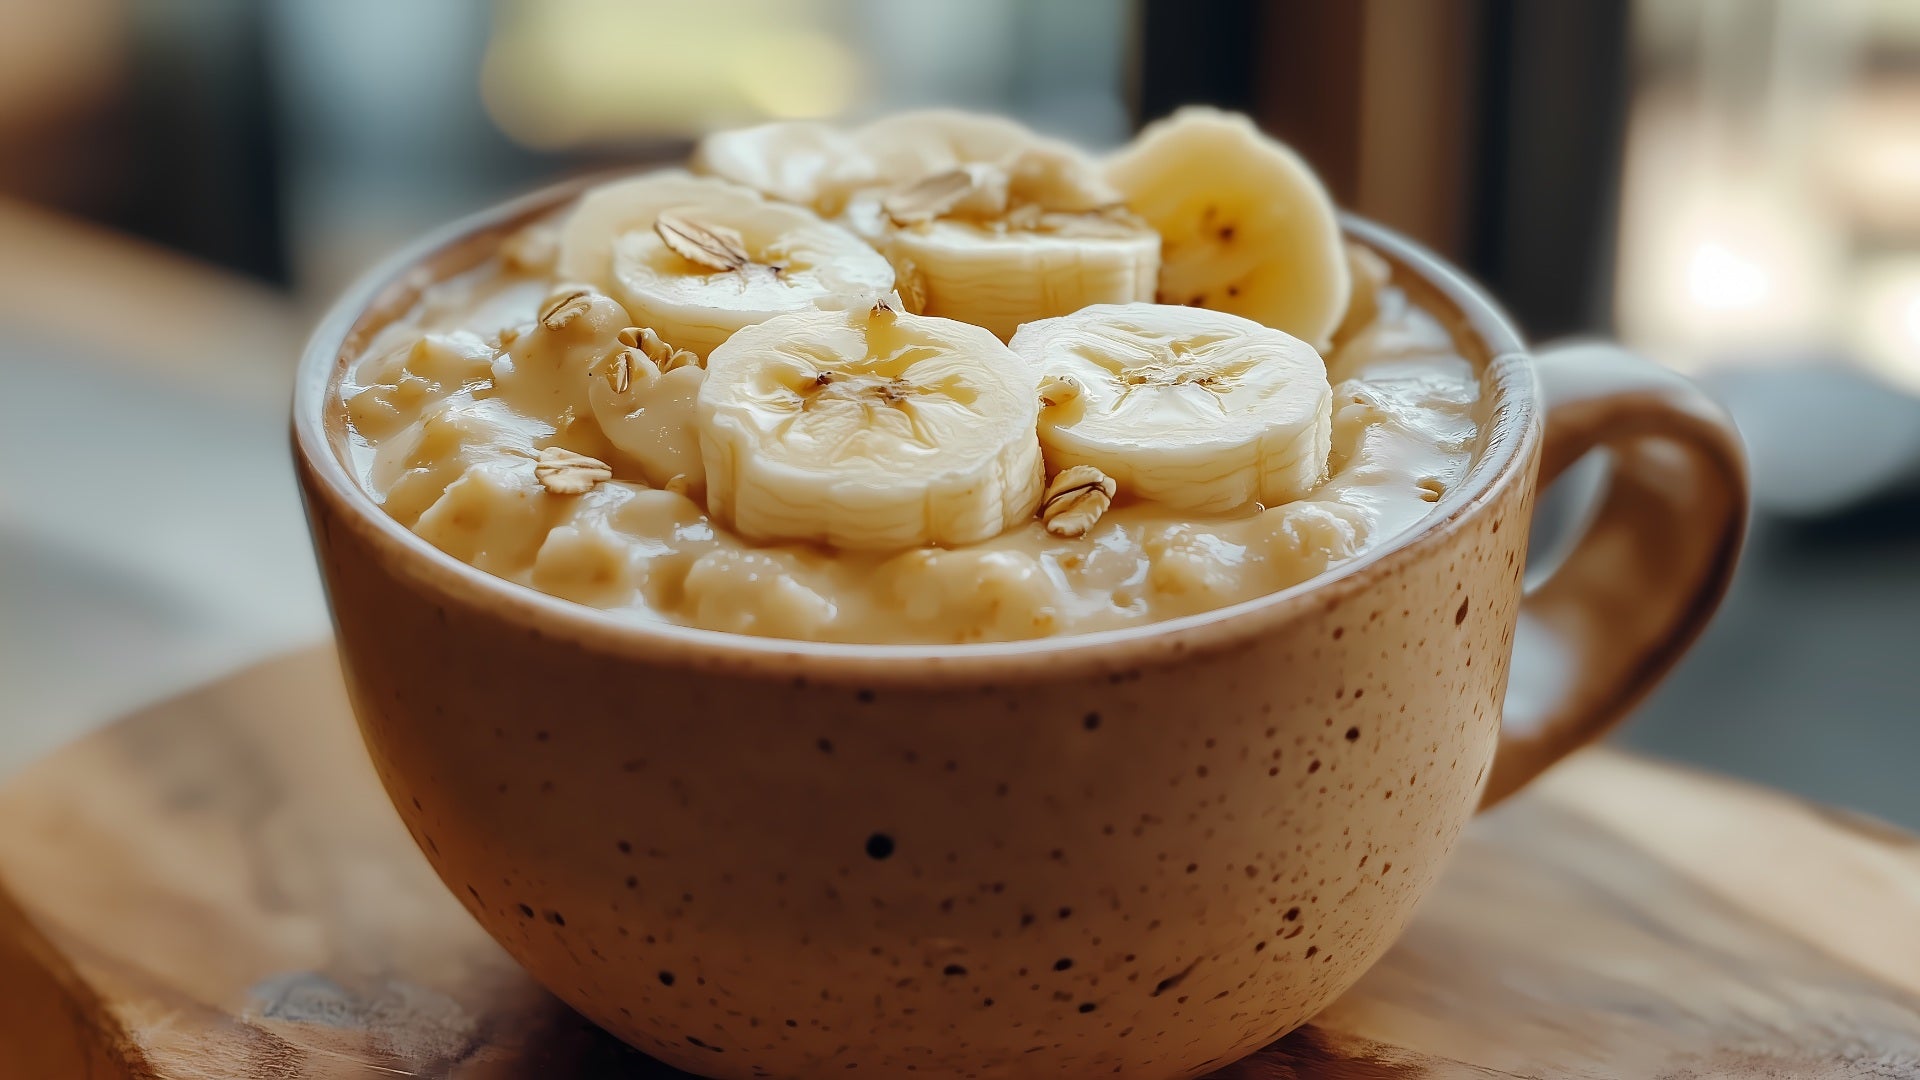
pixel 217 888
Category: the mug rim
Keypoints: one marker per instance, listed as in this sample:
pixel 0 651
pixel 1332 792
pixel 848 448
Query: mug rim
pixel 1512 431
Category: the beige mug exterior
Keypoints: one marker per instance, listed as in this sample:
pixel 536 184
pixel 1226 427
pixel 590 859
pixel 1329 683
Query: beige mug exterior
pixel 1140 853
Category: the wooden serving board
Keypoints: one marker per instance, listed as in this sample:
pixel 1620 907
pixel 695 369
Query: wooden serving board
pixel 217 888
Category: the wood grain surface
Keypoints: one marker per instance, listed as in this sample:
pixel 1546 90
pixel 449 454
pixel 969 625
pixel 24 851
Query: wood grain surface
pixel 217 888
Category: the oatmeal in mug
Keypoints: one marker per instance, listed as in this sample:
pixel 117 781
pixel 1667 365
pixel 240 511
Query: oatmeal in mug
pixel 937 380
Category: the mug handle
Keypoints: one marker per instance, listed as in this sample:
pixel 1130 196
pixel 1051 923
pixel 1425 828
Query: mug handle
pixel 1608 623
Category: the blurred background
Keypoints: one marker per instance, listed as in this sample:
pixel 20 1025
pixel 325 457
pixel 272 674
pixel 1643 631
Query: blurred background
pixel 1732 186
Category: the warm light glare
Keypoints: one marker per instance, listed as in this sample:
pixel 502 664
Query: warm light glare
pixel 1721 279
pixel 763 72
pixel 1886 318
pixel 1728 269
pixel 1725 254
pixel 568 73
pixel 1871 155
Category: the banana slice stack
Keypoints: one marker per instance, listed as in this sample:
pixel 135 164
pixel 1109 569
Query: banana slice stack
pixel 796 161
pixel 983 220
pixel 1150 321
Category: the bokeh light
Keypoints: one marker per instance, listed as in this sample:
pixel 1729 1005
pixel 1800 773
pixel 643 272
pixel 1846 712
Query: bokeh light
pixel 562 74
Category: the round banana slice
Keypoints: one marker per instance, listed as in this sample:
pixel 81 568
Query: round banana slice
pixel 868 429
pixel 1245 226
pixel 1010 269
pixel 907 148
pixel 989 223
pixel 1198 410
pixel 818 165
pixel 797 161
pixel 984 220
pixel 696 258
pixel 611 210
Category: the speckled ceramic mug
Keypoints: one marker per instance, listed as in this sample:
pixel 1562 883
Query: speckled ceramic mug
pixel 1139 853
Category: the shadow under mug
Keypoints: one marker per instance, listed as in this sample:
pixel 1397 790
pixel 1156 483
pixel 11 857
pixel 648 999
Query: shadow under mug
pixel 1141 852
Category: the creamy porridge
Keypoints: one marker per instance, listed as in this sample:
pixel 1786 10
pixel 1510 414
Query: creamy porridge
pixel 948 382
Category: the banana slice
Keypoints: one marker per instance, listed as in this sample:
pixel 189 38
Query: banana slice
pixel 696 258
pixel 906 148
pixel 1198 410
pixel 611 210
pixel 989 223
pixel 1016 267
pixel 1245 226
pixel 984 220
pixel 818 165
pixel 797 161
pixel 868 429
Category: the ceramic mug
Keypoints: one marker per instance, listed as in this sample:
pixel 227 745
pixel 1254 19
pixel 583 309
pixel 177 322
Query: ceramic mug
pixel 1142 852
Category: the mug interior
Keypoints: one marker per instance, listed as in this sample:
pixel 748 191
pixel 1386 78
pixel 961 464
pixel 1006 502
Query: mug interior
pixel 1481 333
